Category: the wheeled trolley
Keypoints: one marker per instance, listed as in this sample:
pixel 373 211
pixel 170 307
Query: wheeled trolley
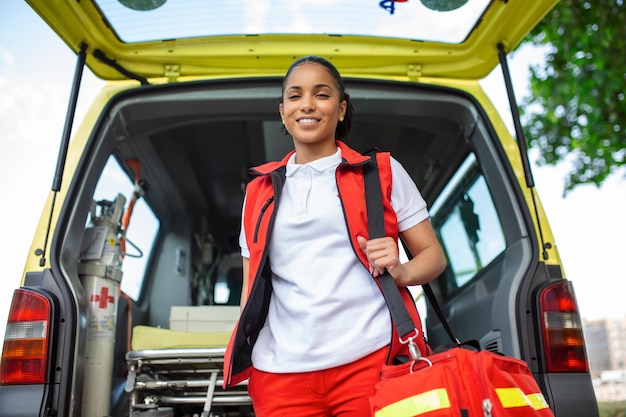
pixel 183 381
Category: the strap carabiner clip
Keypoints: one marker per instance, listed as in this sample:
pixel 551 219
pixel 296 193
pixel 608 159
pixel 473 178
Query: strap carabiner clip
pixel 414 351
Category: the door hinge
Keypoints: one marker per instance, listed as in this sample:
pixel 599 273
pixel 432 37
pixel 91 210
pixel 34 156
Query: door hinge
pixel 171 71
pixel 414 71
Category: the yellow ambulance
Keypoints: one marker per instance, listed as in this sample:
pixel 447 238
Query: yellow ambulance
pixel 131 286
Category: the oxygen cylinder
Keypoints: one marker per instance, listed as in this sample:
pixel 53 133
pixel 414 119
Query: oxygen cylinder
pixel 100 271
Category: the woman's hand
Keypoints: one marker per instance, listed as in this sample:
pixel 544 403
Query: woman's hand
pixel 428 259
pixel 382 254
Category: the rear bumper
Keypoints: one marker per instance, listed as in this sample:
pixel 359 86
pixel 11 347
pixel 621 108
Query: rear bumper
pixel 570 395
pixel 21 400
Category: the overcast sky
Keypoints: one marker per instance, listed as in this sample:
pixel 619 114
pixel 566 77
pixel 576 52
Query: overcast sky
pixel 36 71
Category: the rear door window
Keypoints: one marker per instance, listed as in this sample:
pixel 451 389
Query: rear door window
pixel 142 229
pixel 467 224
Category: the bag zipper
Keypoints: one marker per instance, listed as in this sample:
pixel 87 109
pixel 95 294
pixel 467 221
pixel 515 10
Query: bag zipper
pixel 487 405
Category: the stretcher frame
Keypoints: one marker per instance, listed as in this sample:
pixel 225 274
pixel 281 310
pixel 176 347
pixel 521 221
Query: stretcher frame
pixel 181 376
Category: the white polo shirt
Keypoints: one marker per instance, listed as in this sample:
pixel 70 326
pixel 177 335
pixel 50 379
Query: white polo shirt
pixel 326 309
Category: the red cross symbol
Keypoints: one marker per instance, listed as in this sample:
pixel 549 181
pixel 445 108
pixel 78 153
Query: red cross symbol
pixel 103 298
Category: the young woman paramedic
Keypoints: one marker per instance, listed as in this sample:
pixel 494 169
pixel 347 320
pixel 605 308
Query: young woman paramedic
pixel 315 330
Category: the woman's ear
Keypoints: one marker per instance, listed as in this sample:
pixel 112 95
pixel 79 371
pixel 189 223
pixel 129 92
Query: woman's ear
pixel 343 107
pixel 280 111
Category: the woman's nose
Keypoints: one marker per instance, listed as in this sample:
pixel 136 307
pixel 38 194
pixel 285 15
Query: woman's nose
pixel 307 103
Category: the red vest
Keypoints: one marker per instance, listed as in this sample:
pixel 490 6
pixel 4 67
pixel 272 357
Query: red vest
pixel 262 196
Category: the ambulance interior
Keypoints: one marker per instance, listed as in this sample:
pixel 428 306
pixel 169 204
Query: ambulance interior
pixel 193 145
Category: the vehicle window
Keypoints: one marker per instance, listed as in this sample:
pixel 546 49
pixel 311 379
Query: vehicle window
pixel 448 21
pixel 142 228
pixel 467 224
pixel 229 280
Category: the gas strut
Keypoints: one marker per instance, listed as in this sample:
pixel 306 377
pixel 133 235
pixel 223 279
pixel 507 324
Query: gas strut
pixel 65 140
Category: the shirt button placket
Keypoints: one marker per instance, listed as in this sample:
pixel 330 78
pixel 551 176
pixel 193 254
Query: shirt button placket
pixel 304 187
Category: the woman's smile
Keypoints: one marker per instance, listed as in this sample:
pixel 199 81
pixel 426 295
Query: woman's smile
pixel 307 121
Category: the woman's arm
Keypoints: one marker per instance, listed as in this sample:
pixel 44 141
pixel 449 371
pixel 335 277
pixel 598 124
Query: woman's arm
pixel 427 263
pixel 244 287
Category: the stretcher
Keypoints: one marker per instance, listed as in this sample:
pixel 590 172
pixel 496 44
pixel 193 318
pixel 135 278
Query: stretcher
pixel 181 373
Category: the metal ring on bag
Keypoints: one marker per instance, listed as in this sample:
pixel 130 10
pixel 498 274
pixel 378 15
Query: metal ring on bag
pixel 414 350
pixel 420 359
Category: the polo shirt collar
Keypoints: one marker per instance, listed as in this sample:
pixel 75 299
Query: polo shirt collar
pixel 320 165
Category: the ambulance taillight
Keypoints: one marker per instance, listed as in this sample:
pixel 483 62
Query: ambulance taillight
pixel 26 341
pixel 563 341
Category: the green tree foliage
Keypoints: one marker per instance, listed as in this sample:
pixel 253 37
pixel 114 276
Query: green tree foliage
pixel 576 110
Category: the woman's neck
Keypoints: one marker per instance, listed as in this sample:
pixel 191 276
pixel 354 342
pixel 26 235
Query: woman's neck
pixel 306 153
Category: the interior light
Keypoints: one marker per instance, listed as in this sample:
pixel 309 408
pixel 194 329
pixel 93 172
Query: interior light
pixel 142 5
pixel 443 5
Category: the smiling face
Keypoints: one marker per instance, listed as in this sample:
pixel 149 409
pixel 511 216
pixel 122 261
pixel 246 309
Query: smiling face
pixel 311 108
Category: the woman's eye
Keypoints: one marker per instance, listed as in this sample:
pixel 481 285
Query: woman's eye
pixel 323 95
pixel 293 96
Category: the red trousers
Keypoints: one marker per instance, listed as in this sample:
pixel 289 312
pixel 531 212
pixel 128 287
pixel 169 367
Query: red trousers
pixel 342 391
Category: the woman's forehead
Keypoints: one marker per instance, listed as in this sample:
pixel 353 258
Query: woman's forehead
pixel 310 72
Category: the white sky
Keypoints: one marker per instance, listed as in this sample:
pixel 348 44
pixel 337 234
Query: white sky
pixel 36 71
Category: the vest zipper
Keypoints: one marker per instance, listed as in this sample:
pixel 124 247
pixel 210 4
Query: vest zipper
pixel 258 223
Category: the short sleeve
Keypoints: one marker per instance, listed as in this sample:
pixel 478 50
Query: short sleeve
pixel 406 200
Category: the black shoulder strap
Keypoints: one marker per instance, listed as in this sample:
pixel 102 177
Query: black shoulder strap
pixel 376 228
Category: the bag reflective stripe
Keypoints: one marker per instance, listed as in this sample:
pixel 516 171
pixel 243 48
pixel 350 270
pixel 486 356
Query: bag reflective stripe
pixel 437 399
pixel 474 383
pixel 538 401
pixel 416 405
pixel 512 397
